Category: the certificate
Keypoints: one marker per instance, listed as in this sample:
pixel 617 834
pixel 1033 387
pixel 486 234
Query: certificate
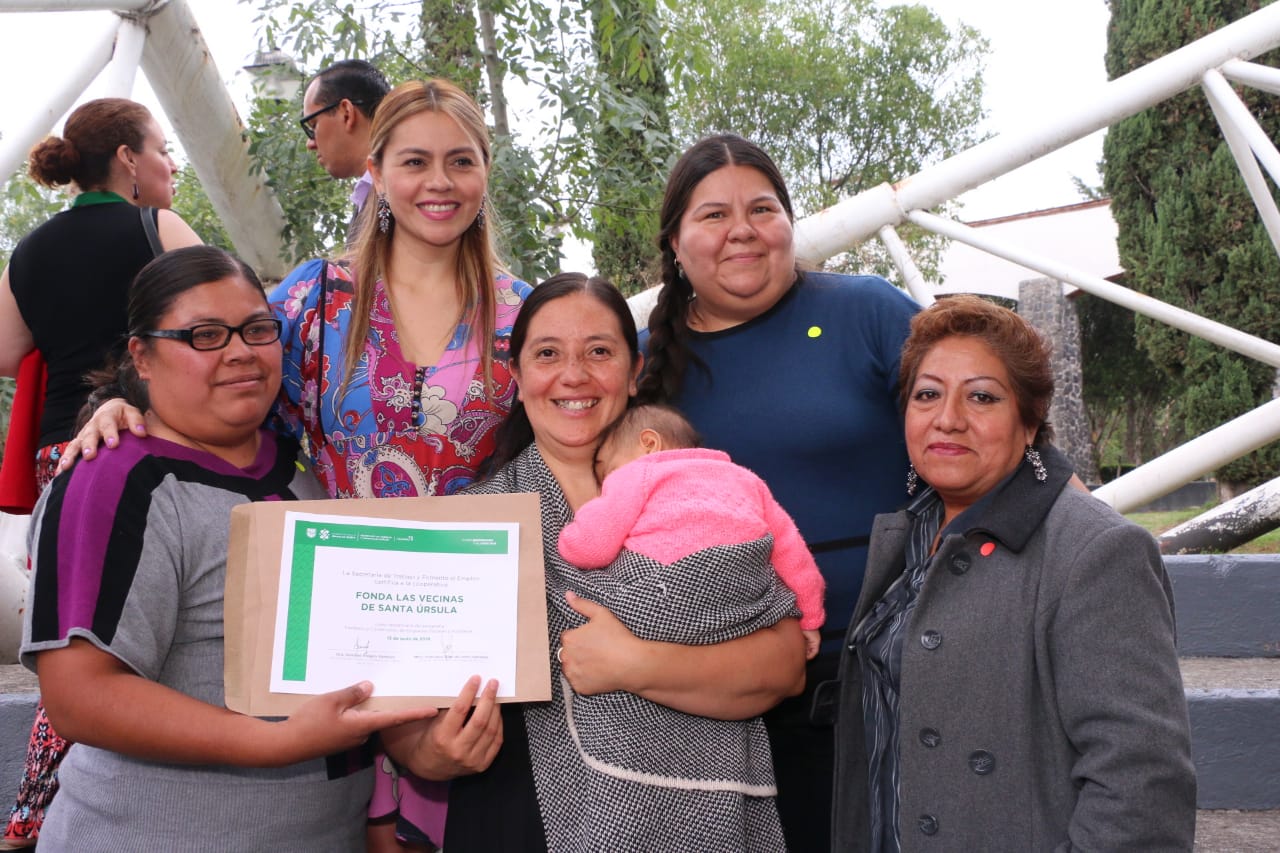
pixel 416 608
pixel 413 594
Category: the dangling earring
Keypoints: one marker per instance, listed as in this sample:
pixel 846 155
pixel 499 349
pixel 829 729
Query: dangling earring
pixel 913 479
pixel 480 215
pixel 1037 464
pixel 384 213
pixel 679 269
pixel 135 190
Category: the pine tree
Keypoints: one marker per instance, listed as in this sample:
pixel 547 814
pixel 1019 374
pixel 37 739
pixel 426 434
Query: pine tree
pixel 1189 232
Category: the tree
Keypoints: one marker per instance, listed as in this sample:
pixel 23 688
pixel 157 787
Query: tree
pixel 541 187
pixel 1189 234
pixel 844 94
pixel 1125 393
pixel 634 148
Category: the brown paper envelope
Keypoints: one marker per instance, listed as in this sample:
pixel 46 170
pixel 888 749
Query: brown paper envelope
pixel 253 583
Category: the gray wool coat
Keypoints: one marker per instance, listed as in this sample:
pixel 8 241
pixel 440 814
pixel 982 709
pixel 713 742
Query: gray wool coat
pixel 1041 705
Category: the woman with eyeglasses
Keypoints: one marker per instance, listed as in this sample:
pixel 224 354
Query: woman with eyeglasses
pixel 124 622
pixel 62 302
pixel 396 359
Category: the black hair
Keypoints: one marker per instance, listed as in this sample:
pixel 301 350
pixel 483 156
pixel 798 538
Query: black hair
pixel 515 433
pixel 669 353
pixel 360 82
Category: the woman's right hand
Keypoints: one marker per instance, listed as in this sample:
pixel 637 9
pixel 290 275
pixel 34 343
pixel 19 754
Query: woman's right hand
pixel 104 427
pixel 331 723
pixel 460 741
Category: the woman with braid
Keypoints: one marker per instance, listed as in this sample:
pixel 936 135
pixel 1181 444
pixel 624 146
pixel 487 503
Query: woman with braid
pixel 794 374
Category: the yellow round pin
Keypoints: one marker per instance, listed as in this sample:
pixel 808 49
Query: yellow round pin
pixel 815 331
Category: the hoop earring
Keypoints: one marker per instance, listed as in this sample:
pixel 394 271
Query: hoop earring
pixel 913 479
pixel 1037 464
pixel 384 213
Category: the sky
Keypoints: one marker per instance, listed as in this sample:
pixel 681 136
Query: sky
pixel 1043 55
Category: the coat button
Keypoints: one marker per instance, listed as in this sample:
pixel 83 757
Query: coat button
pixel 931 639
pixel 928 824
pixel 930 738
pixel 960 562
pixel 982 762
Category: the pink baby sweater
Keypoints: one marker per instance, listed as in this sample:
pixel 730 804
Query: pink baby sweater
pixel 670 504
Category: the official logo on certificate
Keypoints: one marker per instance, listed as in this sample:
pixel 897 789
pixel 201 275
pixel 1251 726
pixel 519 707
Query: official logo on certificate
pixel 414 607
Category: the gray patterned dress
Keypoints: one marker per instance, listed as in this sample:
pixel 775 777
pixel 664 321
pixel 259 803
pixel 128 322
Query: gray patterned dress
pixel 615 771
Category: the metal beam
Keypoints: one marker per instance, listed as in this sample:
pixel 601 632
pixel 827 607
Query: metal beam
pixel 1201 455
pixel 839 228
pixel 1179 318
pixel 1224 103
pixel 916 285
pixel 1262 77
pixel 182 73
pixel 86 62
pixel 122 71
pixel 80 5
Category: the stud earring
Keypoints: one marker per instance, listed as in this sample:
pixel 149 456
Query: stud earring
pixel 1037 464
pixel 384 213
pixel 913 479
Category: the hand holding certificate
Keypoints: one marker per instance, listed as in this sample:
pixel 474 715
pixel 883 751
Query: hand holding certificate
pixel 416 595
pixel 460 741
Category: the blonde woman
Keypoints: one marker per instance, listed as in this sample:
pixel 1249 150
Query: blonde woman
pixel 395 359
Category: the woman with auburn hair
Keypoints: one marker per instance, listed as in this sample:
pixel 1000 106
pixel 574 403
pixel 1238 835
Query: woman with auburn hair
pixel 395 370
pixel 1009 677
pixel 62 300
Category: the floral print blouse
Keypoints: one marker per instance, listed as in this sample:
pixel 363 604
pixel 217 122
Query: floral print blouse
pixel 398 429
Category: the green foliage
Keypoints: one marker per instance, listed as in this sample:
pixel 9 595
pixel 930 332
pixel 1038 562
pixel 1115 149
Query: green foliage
pixel 316 207
pixel 1124 391
pixel 193 205
pixel 844 94
pixel 7 386
pixel 1189 233
pixel 24 204
pixel 541 190
pixel 634 147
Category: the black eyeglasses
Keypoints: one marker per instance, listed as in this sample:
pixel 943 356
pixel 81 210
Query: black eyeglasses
pixel 308 121
pixel 211 336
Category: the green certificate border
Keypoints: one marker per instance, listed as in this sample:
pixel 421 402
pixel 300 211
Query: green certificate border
pixel 297 635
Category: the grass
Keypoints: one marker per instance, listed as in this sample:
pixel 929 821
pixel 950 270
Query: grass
pixel 1158 522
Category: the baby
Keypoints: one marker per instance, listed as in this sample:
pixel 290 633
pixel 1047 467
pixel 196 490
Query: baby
pixel 666 498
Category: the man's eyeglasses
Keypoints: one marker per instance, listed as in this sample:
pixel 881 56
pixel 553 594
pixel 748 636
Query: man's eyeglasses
pixel 308 121
pixel 211 336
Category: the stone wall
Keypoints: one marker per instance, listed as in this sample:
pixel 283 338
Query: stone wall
pixel 1041 302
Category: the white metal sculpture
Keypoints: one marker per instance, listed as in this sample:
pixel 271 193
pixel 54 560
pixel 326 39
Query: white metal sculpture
pixel 163 38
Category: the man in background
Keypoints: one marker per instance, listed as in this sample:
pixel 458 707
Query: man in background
pixel 337 114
